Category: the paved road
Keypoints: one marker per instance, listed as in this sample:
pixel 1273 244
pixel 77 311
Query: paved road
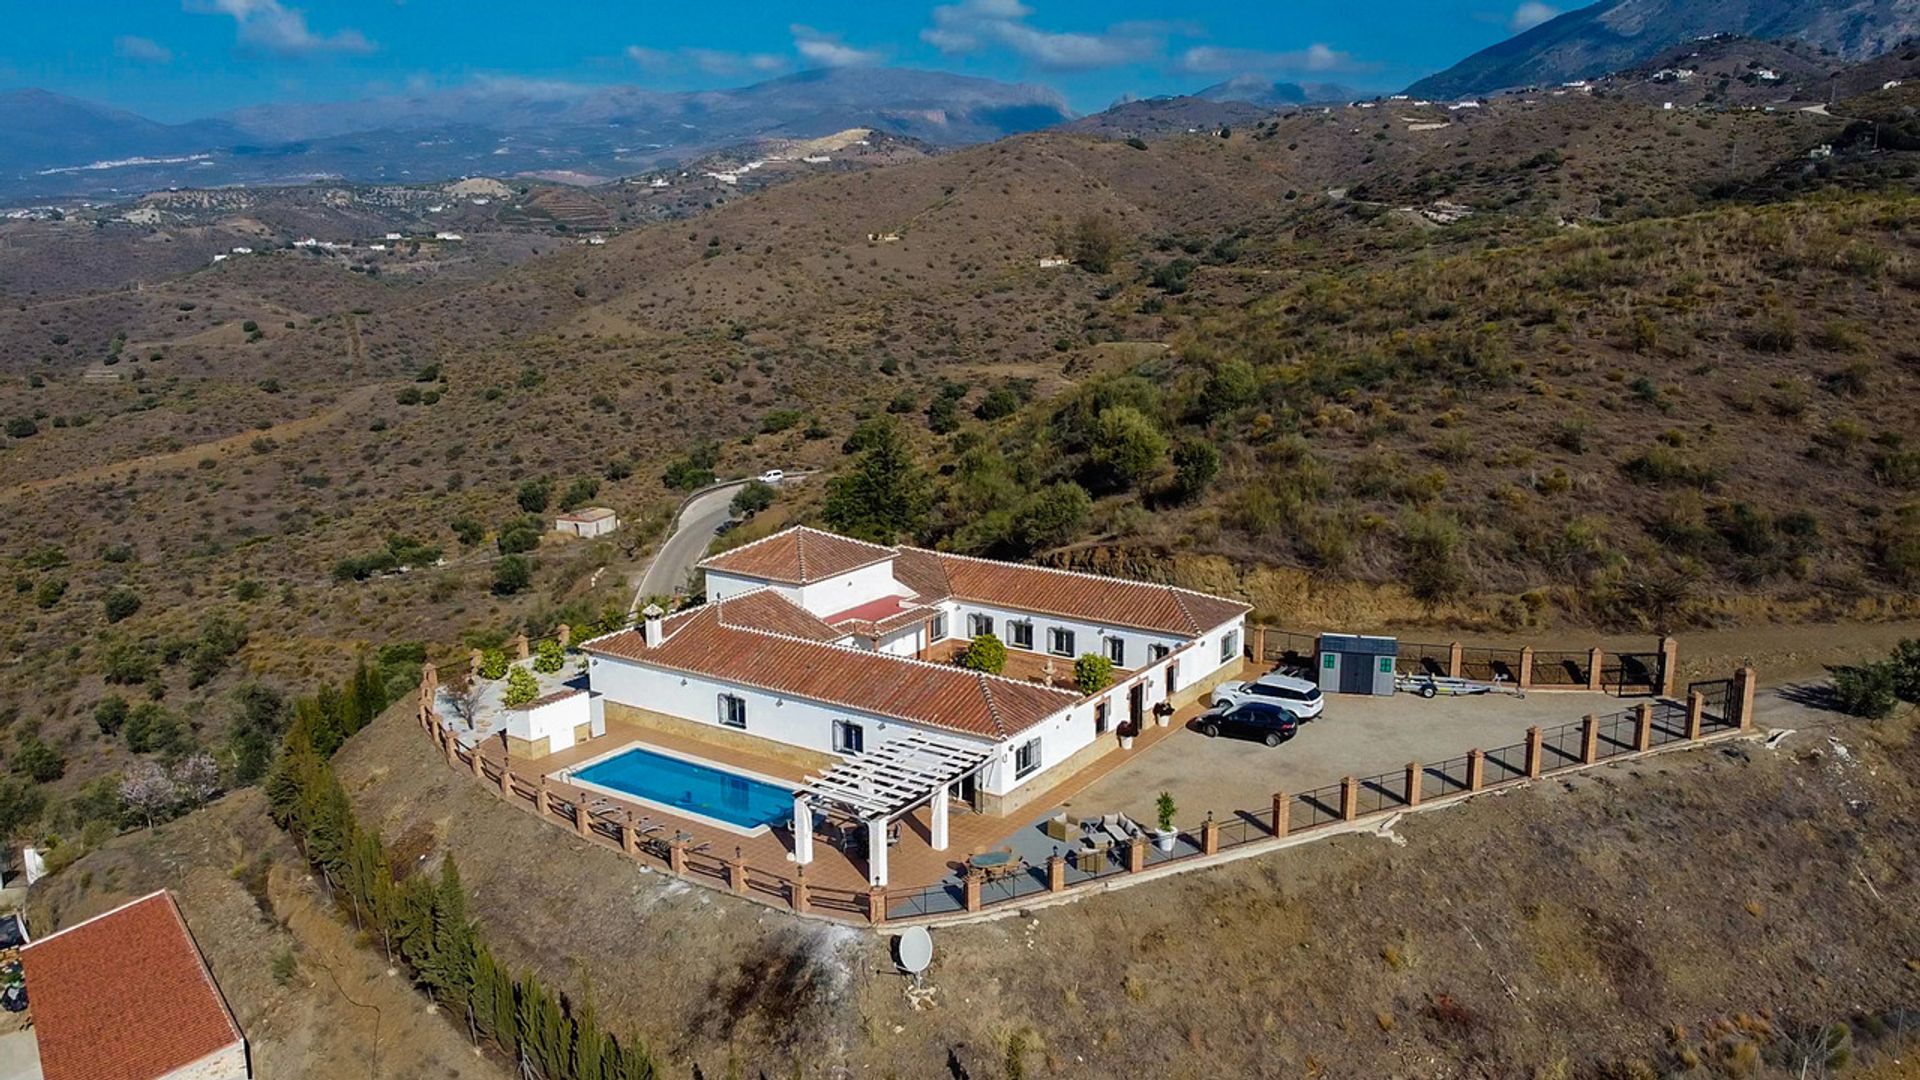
pixel 699 524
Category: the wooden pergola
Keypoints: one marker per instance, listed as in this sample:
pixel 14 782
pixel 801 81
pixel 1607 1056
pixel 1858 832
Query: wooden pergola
pixel 884 783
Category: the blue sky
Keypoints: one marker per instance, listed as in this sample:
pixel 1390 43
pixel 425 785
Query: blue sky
pixel 177 59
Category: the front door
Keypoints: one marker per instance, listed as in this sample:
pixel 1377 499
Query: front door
pixel 970 790
pixel 1137 705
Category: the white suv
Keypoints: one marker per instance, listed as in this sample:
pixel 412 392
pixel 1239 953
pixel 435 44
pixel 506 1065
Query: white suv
pixel 1297 696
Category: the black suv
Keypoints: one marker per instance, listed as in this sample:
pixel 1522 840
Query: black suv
pixel 1261 720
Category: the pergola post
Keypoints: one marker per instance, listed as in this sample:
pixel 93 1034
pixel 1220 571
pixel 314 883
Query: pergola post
pixel 877 852
pixel 937 818
pixel 802 830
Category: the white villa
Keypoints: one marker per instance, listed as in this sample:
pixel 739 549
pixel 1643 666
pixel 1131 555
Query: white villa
pixel 843 650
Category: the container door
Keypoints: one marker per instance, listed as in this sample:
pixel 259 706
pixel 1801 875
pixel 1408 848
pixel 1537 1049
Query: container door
pixel 1356 675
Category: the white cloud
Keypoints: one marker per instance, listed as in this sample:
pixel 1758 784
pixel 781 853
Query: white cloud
pixel 827 50
pixel 973 26
pixel 706 61
pixel 271 27
pixel 146 50
pixel 1531 14
pixel 1316 58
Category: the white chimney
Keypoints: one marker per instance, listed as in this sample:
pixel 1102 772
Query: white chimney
pixel 654 629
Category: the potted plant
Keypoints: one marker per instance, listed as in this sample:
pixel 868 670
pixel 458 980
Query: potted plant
pixel 1163 713
pixel 1126 733
pixel 1164 836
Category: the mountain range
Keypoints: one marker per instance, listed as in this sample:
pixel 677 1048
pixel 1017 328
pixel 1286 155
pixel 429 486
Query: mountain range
pixel 1616 34
pixel 54 145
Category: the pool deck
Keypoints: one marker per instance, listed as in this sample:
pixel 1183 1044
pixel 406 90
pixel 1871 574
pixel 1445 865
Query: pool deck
pixel 911 863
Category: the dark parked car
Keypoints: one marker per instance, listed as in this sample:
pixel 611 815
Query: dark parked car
pixel 1261 720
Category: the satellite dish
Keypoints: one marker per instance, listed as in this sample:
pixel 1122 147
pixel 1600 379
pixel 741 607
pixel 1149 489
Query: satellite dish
pixel 915 949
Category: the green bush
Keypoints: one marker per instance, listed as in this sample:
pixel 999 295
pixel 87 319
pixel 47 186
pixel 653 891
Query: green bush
pixel 521 687
pixel 120 603
pixel 512 575
pixel 985 653
pixel 550 656
pixel 1867 690
pixel 1092 673
pixel 493 664
pixel 110 713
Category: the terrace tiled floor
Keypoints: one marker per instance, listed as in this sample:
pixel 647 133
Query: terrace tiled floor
pixel 911 863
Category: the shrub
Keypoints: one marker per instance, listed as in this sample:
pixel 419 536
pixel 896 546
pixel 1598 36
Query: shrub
pixel 110 713
pixel 38 760
pixel 120 603
pixel 578 493
pixel 512 574
pixel 1867 690
pixel 985 653
pixel 752 498
pixel 493 664
pixel 550 656
pixel 522 687
pixel 534 495
pixel 1164 810
pixel 1092 673
pixel 21 427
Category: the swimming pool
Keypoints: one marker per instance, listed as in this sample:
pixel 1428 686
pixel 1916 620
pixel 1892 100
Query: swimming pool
pixel 684 786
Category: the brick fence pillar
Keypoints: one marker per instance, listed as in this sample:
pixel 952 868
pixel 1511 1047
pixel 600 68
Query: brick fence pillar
pixel 1589 739
pixel 506 781
pixel 1669 664
pixel 1743 686
pixel 582 820
pixel 971 890
pixel 1349 798
pixel 1696 714
pixel 877 905
pixel 1596 659
pixel 1413 783
pixel 1209 837
pixel 1259 644
pixel 1535 744
pixel 1282 807
pixel 1056 873
pixel 797 890
pixel 520 647
pixel 474 764
pixel 452 746
pixel 1137 855
pixel 1525 674
pixel 737 873
pixel 677 857
pixel 1476 769
pixel 1643 726
pixel 629 837
pixel 542 804
pixel 1454 660
pixel 563 633
pixel 473 662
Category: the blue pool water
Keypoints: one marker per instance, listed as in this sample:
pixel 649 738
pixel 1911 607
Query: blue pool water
pixel 691 787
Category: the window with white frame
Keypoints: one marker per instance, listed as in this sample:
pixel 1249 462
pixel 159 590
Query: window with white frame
pixel 849 737
pixel 1117 651
pixel 979 624
pixel 939 631
pixel 1059 642
pixel 1026 759
pixel 1022 633
pixel 1229 645
pixel 733 711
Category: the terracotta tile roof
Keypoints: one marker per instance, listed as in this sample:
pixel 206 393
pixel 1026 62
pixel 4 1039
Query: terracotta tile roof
pixel 1067 593
pixel 764 609
pixel 125 996
pixel 547 699
pixel 919 692
pixel 798 556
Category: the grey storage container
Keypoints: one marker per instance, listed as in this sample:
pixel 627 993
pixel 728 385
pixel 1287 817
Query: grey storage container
pixel 1355 664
